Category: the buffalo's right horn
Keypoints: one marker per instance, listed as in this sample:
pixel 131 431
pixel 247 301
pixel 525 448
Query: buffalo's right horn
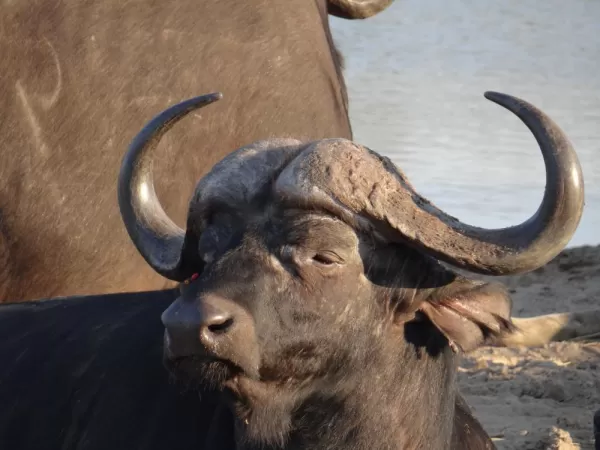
pixel 167 248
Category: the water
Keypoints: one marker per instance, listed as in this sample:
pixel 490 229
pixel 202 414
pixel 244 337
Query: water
pixel 416 76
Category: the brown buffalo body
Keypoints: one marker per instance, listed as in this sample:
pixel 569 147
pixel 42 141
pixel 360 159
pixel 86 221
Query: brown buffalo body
pixel 79 78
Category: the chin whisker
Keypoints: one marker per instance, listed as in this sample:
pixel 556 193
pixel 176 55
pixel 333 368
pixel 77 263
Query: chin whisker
pixel 194 373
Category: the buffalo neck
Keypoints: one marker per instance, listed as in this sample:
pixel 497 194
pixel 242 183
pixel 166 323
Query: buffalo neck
pixel 402 399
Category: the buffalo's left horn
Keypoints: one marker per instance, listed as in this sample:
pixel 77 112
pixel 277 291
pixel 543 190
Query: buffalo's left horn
pixel 368 190
pixel 167 248
pixel 356 9
pixel 523 247
pixel 352 179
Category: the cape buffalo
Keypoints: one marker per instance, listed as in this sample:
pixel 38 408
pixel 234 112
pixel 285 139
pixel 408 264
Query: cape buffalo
pixel 313 300
pixel 77 375
pixel 80 77
pixel 327 321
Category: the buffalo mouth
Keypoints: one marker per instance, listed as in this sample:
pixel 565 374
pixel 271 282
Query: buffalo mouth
pixel 201 370
pixel 204 372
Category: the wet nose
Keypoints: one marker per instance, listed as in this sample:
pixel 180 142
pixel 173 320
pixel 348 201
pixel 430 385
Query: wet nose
pixel 211 325
pixel 190 324
pixel 181 321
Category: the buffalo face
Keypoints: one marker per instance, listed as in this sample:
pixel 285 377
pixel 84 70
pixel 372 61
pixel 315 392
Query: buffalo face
pixel 311 286
pixel 269 318
pixel 293 305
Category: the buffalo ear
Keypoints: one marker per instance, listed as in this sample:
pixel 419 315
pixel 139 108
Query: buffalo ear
pixel 470 313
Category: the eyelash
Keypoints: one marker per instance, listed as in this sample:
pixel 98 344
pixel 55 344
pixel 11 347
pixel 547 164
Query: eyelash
pixel 322 259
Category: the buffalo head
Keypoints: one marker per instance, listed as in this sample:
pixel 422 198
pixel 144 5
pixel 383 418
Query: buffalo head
pixel 312 290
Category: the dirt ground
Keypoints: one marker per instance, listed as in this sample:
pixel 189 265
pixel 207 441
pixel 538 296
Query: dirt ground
pixel 541 398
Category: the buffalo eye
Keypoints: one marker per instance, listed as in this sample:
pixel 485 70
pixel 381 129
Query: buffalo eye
pixel 326 258
pixel 302 255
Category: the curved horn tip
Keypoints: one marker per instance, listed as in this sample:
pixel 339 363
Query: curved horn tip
pixel 500 98
pixel 164 120
pixel 491 95
pixel 206 98
pixel 510 102
pixel 218 95
pixel 201 100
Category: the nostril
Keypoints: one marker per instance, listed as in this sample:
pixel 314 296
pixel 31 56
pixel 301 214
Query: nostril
pixel 221 326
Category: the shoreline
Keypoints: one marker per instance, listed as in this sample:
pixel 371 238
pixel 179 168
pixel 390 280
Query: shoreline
pixel 542 397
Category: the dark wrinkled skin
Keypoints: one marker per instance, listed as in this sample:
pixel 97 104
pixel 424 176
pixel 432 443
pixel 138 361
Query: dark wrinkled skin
pixel 348 355
pixel 86 374
pixel 80 78
pixel 82 376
